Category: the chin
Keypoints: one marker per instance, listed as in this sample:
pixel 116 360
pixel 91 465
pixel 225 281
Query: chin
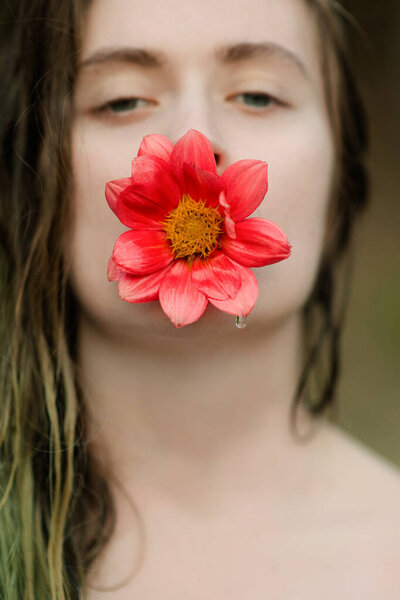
pixel 147 326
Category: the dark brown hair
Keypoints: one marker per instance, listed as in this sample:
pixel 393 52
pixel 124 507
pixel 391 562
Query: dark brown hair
pixel 56 510
pixel 324 311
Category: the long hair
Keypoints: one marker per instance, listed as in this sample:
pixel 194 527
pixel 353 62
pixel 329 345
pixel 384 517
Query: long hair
pixel 56 508
pixel 325 309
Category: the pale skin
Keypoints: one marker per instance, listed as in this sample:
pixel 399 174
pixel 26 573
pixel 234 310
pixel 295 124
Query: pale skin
pixel 193 422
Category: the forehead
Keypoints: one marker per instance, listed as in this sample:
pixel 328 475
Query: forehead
pixel 188 33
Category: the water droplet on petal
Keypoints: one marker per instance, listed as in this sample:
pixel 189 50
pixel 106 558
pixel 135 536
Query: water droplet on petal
pixel 240 322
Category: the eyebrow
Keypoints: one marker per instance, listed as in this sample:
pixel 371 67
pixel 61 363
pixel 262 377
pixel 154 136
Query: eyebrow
pixel 225 55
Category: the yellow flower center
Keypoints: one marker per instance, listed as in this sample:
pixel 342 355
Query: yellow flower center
pixel 193 228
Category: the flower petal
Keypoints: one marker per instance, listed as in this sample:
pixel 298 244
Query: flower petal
pixel 246 298
pixel 258 242
pixel 142 252
pixel 230 227
pixel 216 276
pixel 195 148
pixel 152 178
pixel 113 190
pixel 201 185
pixel 113 273
pixel 136 288
pixel 246 183
pixel 179 297
pixel 156 145
pixel 137 211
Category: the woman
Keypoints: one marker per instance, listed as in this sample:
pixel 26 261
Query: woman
pixel 142 460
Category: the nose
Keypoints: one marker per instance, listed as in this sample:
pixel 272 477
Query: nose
pixel 194 110
pixel 217 157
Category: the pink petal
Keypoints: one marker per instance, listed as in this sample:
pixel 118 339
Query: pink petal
pixel 142 252
pixel 230 227
pixel 201 185
pixel 245 183
pixel 195 148
pixel 113 189
pixel 246 298
pixel 156 145
pixel 136 288
pixel 113 273
pixel 138 211
pixel 179 297
pixel 153 179
pixel 224 203
pixel 259 242
pixel 216 276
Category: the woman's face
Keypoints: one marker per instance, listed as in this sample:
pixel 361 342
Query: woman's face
pixel 244 73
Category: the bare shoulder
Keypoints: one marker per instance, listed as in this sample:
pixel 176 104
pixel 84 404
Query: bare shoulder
pixel 363 469
pixel 363 491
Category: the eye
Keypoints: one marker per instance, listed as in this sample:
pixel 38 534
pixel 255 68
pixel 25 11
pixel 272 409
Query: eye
pixel 256 99
pixel 123 105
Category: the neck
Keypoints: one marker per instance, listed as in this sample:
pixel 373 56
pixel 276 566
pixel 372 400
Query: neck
pixel 162 416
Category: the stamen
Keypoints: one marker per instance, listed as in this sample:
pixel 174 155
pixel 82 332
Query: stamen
pixel 193 228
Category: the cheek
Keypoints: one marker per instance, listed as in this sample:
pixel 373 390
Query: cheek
pixel 301 168
pixel 300 157
pixel 95 228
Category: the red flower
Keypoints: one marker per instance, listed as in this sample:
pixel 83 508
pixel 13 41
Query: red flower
pixel 190 241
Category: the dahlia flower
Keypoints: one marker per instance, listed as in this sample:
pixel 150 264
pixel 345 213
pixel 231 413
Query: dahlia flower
pixel 189 240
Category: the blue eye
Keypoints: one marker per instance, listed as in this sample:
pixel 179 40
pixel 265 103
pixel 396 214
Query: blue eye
pixel 123 105
pixel 257 99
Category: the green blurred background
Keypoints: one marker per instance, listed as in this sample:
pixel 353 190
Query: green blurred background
pixel 369 393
